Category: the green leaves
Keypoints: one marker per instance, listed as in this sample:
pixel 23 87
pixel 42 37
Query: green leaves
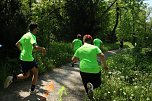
pixel 129 78
pixel 60 53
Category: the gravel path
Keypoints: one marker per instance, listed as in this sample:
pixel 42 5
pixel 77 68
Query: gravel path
pixel 63 82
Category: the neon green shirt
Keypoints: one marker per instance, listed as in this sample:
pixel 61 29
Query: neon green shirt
pixel 87 55
pixel 77 44
pixel 27 41
pixel 97 42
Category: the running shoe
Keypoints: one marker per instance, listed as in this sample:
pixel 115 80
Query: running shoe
pixel 33 92
pixel 90 91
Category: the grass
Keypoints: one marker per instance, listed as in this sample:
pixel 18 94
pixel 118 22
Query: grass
pixel 113 46
pixel 128 79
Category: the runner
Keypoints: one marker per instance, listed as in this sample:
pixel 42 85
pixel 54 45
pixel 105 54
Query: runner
pixel 90 71
pixel 27 44
pixel 76 43
pixel 97 42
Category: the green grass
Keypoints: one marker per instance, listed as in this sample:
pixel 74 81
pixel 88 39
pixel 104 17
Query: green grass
pixel 128 78
pixel 113 46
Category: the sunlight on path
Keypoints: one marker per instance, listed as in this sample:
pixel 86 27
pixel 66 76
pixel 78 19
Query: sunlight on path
pixel 50 87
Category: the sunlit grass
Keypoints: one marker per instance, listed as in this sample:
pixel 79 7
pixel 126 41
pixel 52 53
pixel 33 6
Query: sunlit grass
pixel 113 46
pixel 128 79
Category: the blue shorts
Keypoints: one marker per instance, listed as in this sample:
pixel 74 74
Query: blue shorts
pixel 28 65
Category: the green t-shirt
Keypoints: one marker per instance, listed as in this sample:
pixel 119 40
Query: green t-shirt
pixel 27 41
pixel 97 42
pixel 87 55
pixel 77 44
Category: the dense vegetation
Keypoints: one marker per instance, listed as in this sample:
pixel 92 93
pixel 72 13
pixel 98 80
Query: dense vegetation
pixel 129 77
pixel 61 20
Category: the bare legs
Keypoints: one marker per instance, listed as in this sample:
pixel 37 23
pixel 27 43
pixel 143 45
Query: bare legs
pixel 34 72
pixel 35 75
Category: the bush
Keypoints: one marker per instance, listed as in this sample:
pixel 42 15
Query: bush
pixel 44 63
pixel 128 79
pixel 8 66
pixel 60 53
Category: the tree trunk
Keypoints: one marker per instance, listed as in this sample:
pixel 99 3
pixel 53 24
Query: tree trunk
pixel 113 32
pixel 108 8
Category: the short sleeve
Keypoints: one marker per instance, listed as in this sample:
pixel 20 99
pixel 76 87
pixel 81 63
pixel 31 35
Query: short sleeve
pixel 21 39
pixel 33 40
pixel 73 41
pixel 98 50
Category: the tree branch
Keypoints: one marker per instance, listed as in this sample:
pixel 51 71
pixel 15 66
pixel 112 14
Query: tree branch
pixel 108 8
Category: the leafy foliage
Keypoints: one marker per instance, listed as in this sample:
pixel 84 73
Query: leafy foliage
pixel 12 26
pixel 82 16
pixel 60 53
pixel 128 78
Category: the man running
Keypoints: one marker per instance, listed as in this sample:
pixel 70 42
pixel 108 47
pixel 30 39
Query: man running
pixel 90 71
pixel 76 43
pixel 27 44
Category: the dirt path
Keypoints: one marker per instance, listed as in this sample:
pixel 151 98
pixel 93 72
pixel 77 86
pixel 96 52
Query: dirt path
pixel 62 82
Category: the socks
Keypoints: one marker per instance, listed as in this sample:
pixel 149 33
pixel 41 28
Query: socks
pixel 32 87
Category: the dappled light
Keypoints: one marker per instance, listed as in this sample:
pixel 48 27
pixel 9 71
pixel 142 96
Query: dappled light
pixel 39 37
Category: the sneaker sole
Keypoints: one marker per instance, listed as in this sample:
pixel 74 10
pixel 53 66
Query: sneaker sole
pixel 90 91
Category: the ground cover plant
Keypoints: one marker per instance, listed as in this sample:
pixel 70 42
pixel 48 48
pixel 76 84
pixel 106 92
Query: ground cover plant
pixel 128 79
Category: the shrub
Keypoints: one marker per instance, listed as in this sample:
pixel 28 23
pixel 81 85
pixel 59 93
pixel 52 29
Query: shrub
pixel 128 79
pixel 8 67
pixel 44 62
pixel 60 53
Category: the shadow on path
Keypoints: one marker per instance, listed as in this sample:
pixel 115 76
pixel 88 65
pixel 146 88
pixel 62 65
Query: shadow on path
pixel 66 76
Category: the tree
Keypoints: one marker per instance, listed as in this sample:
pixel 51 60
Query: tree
pixel 12 24
pixel 82 16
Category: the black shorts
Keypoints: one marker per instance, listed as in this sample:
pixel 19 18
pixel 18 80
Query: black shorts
pixel 28 65
pixel 94 78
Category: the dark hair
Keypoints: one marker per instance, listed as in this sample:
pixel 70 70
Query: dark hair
pixel 32 26
pixel 87 38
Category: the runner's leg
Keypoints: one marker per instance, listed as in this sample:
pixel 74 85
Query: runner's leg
pixel 34 71
pixel 23 76
pixel 85 80
pixel 11 79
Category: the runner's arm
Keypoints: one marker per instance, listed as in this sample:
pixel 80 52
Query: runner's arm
pixel 75 59
pixel 103 60
pixel 18 44
pixel 38 48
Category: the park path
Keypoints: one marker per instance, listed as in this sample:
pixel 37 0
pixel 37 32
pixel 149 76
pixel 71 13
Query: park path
pixel 62 82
